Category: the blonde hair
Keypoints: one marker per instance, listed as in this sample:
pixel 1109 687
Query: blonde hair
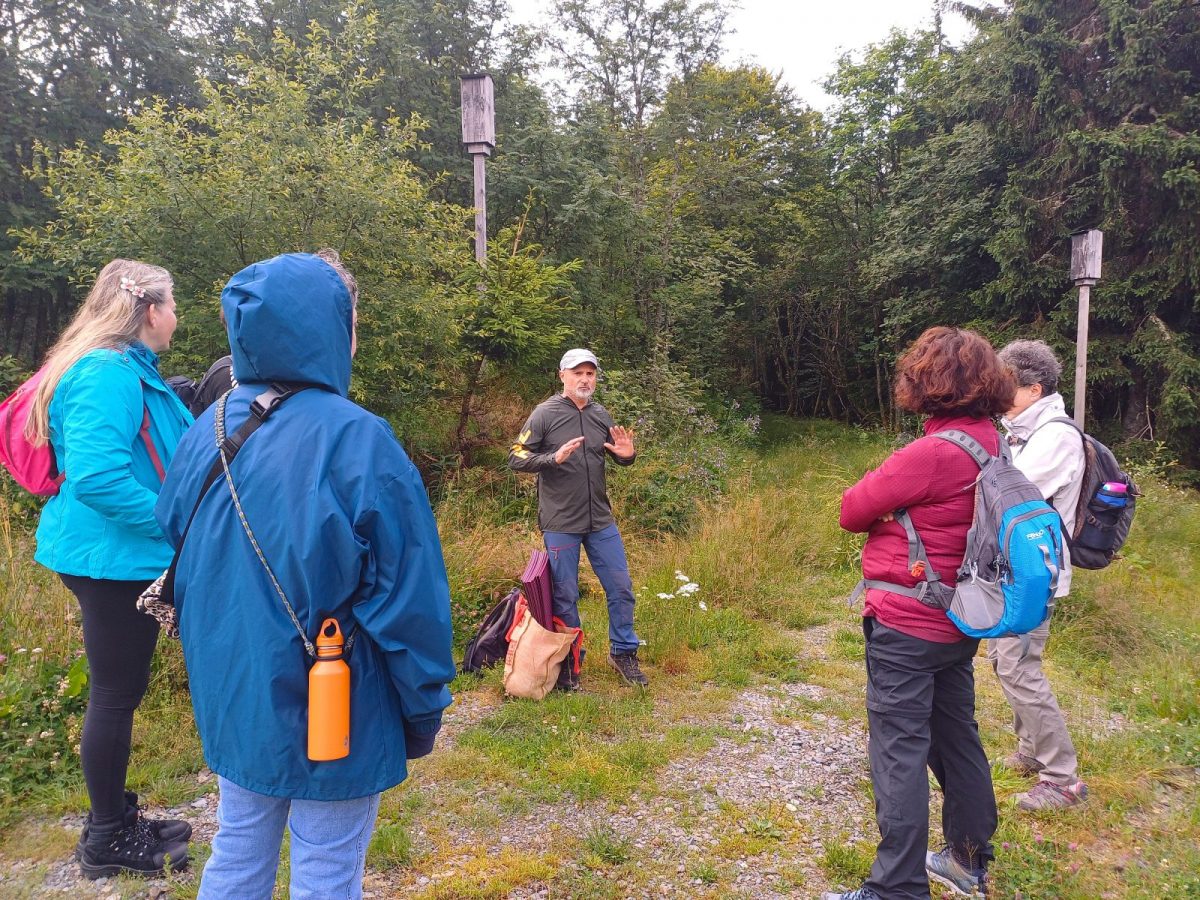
pixel 112 316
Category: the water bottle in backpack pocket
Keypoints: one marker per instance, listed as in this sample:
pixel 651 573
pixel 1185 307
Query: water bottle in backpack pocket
pixel 1107 502
pixel 1102 516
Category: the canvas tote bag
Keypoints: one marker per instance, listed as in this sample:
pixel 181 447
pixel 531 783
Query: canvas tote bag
pixel 535 655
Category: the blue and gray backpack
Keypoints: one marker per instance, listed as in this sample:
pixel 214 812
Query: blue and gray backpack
pixel 1009 572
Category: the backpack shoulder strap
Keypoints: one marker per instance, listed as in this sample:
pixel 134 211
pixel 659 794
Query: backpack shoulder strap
pixel 966 442
pixel 261 409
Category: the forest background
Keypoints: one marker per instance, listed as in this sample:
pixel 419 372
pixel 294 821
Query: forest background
pixel 723 247
pixel 743 265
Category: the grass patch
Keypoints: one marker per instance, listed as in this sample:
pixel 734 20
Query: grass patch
pixel 391 846
pixel 1124 659
pixel 603 848
pixel 492 877
pixel 847 864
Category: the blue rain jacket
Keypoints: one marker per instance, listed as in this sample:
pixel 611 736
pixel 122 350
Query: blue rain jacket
pixel 344 521
pixel 101 522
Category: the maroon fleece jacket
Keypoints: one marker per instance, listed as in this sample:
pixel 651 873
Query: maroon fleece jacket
pixel 933 480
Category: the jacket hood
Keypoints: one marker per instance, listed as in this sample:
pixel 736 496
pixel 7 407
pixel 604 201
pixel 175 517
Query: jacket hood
pixel 289 319
pixel 1022 425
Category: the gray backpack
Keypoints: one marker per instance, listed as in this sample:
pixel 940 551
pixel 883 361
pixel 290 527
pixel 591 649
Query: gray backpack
pixel 1009 573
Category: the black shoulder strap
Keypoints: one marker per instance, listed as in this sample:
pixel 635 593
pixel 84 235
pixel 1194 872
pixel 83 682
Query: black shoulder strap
pixel 261 409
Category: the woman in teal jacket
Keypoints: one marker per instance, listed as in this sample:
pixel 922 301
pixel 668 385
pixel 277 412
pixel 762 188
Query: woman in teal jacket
pixel 342 520
pixel 113 424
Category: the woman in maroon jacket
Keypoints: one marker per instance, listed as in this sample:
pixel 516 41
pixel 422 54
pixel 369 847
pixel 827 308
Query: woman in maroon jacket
pixel 920 674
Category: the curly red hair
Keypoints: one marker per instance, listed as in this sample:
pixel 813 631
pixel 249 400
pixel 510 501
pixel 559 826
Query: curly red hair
pixel 953 371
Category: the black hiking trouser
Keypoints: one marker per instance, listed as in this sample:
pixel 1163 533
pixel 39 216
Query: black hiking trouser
pixel 119 642
pixel 921 712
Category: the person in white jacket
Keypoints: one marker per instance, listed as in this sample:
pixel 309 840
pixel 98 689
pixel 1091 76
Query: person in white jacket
pixel 1051 455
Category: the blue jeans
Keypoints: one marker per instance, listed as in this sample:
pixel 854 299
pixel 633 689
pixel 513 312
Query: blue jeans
pixel 606 553
pixel 329 846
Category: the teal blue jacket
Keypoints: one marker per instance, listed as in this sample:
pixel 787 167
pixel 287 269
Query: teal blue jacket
pixel 101 523
pixel 343 519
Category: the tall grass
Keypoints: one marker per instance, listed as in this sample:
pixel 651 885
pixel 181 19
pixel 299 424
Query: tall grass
pixel 768 559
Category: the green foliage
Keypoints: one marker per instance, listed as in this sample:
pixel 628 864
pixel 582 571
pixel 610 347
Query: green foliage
pixel 688 449
pixel 281 159
pixel 12 374
pixel 41 716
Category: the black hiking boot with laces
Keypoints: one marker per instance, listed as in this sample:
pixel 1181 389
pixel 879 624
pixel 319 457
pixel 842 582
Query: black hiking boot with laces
pixel 627 667
pixel 133 849
pixel 166 830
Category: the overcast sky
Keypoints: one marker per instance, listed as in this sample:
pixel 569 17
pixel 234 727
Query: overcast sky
pixel 801 38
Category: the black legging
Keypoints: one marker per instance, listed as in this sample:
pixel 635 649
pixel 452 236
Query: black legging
pixel 119 641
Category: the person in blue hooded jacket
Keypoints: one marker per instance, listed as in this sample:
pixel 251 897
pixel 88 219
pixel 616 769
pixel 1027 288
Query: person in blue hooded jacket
pixel 113 424
pixel 343 520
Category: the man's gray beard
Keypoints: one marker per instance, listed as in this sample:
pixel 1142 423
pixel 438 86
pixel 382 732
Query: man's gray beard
pixel 581 393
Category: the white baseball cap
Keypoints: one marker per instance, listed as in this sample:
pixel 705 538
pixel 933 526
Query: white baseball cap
pixel 578 357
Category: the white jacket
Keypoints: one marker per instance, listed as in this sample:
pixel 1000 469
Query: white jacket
pixel 1052 459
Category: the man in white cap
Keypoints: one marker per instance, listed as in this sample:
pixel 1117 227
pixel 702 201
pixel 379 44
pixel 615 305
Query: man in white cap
pixel 565 442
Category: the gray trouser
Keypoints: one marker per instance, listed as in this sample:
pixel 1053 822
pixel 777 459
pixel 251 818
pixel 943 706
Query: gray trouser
pixel 1041 730
pixel 921 715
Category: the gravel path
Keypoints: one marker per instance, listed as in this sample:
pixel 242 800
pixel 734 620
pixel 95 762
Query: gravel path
pixel 803 771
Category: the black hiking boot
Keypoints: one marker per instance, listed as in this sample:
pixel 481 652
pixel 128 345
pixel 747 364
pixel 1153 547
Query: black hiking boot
pixel 168 831
pixel 627 667
pixel 133 849
pixel 568 678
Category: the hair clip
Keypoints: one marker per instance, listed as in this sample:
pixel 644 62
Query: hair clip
pixel 128 284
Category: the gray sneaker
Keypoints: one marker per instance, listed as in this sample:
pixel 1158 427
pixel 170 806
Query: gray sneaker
pixel 1048 795
pixel 627 667
pixel 943 868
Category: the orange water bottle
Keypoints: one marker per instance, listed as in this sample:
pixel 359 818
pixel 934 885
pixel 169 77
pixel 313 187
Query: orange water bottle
pixel 329 697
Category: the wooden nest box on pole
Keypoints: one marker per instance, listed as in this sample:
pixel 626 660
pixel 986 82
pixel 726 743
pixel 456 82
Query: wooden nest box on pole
pixel 1087 246
pixel 479 135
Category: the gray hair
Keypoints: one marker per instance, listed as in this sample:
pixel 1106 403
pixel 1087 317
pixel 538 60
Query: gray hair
pixel 334 259
pixel 1033 362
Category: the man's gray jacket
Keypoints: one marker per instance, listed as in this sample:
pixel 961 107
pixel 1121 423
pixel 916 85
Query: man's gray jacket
pixel 571 497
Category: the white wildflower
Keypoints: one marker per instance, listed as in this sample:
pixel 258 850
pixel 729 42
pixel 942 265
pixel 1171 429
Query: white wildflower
pixel 666 596
pixel 704 606
pixel 679 576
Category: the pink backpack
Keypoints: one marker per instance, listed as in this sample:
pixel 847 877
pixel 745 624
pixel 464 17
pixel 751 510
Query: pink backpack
pixel 34 468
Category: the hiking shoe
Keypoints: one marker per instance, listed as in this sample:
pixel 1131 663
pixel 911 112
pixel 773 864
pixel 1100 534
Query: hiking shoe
pixel 133 849
pixel 568 679
pixel 167 831
pixel 1048 795
pixel 1022 764
pixel 627 667
pixel 943 868
pixel 862 893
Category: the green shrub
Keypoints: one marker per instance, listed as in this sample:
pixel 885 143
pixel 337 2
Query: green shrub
pixel 41 717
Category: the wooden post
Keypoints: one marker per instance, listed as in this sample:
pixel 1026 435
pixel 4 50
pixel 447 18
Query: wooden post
pixel 1081 342
pixel 479 135
pixel 1086 252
